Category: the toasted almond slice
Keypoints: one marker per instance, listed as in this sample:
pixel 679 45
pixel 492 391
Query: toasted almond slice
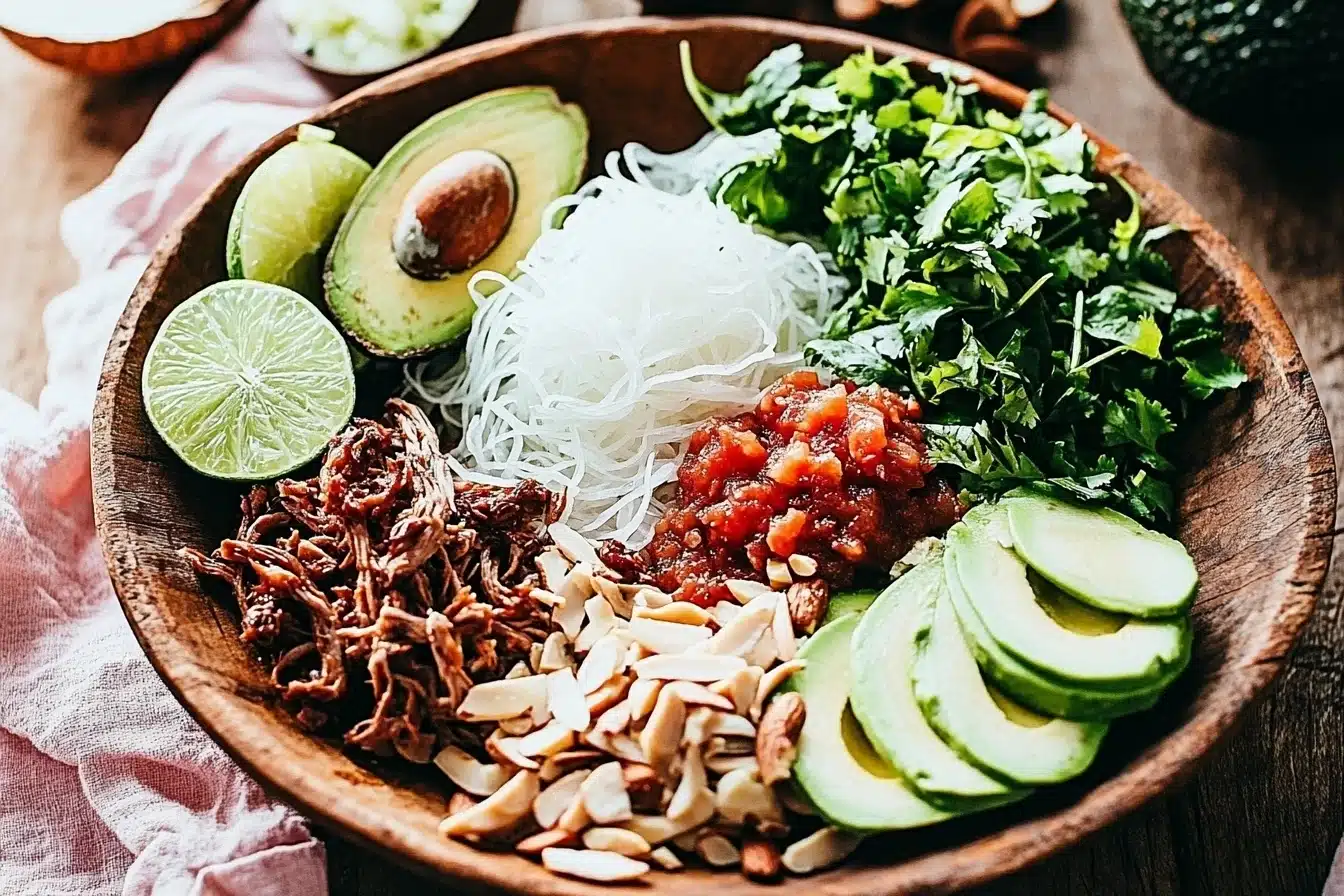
pixel 643 696
pixel 604 660
pixel 727 724
pixel 696 730
pixel 460 802
pixel 503 699
pixel 517 727
pixel 724 764
pixel 553 568
pixel 740 688
pixel 686 799
pixel 519 670
pixel 803 565
pixel 621 604
pixel 686 841
pixel 789 799
pixel 532 846
pixel 745 590
pixel 658 636
pixel 575 817
pixel 662 734
pixel 574 545
pixel 551 803
pixel 604 795
pixel 660 829
pixel 771 681
pixel 612 692
pixel 504 750
pixel 820 850
pixel 651 598
pixel 566 700
pixel 717 850
pixel 618 745
pixel 725 612
pixel 601 620
pixel 746 628
pixel 694 694
pixel 741 795
pixel 702 667
pixel 545 597
pixel 635 652
pixel 781 627
pixel 777 571
pixel 730 746
pixel 682 611
pixel 666 859
pixel 764 653
pixel 502 809
pixel 557 766
pixel 470 774
pixel 555 653
pixel 614 720
pixel 591 864
pixel 617 840
pixel 568 616
pixel 553 738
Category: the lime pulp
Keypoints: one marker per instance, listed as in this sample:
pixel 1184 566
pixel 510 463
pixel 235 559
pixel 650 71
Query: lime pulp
pixel 247 380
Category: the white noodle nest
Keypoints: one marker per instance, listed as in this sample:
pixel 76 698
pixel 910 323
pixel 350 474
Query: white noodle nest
pixel 647 310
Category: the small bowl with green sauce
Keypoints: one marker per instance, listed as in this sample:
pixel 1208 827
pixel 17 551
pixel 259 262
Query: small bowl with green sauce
pixel 363 38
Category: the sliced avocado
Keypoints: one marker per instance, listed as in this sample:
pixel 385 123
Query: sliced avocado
pixel 1044 693
pixel 985 727
pixel 1049 631
pixel 848 784
pixel 883 699
pixel 845 602
pixel 544 144
pixel 1101 557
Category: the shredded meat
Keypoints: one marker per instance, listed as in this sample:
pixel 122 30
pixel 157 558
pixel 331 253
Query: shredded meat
pixel 381 589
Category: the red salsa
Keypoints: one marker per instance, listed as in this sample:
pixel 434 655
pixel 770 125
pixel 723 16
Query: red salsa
pixel 837 474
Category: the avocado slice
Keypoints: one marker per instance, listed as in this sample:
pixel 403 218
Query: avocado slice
pixel 845 602
pixel 987 728
pixel 848 784
pixel 543 142
pixel 1044 693
pixel 1049 631
pixel 883 699
pixel 1101 557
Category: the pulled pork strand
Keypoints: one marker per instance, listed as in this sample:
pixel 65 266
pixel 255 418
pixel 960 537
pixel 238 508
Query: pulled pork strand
pixel 381 589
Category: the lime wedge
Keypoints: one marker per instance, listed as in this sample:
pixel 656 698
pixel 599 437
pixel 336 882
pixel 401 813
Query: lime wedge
pixel 289 211
pixel 247 380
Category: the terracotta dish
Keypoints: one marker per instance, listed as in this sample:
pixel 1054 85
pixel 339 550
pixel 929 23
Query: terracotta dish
pixel 1257 508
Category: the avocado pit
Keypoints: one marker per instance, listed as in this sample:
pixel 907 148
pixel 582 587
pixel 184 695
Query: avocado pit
pixel 454 215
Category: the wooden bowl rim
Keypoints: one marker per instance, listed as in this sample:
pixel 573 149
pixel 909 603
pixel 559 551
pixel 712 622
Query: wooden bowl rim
pixel 996 854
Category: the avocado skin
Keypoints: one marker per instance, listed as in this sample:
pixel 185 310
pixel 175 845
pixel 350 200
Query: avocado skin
pixel 1255 67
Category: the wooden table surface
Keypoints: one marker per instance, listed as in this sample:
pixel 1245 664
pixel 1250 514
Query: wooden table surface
pixel 1264 815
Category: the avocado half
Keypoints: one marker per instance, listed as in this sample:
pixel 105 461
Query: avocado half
pixel 395 315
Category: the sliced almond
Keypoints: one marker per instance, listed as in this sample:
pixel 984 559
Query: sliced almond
pixel 764 653
pixel 740 688
pixel 559 765
pixel 820 850
pixel 666 859
pixel 658 636
pixel 553 568
pixel 728 724
pixel 607 696
pixel 660 829
pixel 566 701
pixel 681 611
pixel 534 657
pixel 662 734
pixel 689 667
pixel 504 750
pixel 590 864
pixel 770 682
pixel 519 670
pixel 575 817
pixel 551 803
pixel 547 741
pixel 1027 9
pixel 652 597
pixel 502 699
pixel 635 652
pixel 532 846
pixel 741 796
pixel 601 620
pixel 620 603
pixel 730 746
pixel 724 612
pixel 745 589
pixel 614 720
pixel 717 851
pixel 802 565
pixel 605 659
pixel 517 727
pixel 687 798
pixel 694 694
pixel 777 572
pixel 741 634
pixel 555 653
pixel 786 645
pixel 543 596
pixel 617 840
pixel 502 809
pixel 470 774
pixel 618 745
pixel 643 695
pixel 724 764
pixel 574 545
pixel 604 795
pixel 790 800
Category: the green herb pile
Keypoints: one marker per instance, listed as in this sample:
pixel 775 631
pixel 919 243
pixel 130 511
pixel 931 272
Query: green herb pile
pixel 993 277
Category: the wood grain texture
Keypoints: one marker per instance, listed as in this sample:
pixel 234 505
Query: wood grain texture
pixel 1258 510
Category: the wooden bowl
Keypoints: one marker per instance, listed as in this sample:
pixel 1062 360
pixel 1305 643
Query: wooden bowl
pixel 1258 503
pixel 123 54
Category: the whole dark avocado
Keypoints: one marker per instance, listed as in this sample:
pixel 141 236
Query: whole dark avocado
pixel 1256 67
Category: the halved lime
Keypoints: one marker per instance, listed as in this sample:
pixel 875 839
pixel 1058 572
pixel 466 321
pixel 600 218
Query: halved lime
pixel 289 211
pixel 247 380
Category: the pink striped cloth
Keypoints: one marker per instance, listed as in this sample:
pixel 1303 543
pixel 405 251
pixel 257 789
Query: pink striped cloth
pixel 106 785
